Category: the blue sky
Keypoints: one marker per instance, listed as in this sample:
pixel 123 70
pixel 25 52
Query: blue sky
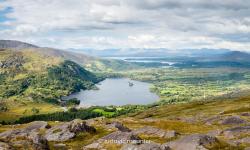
pixel 96 24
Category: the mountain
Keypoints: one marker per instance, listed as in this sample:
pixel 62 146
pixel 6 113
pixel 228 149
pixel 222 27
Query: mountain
pixel 89 62
pixel 17 45
pixel 152 52
pixel 236 56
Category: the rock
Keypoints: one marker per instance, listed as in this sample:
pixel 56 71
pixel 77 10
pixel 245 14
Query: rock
pixel 93 146
pixel 155 132
pixel 193 142
pixel 60 146
pixel 212 120
pixel 25 138
pixel 78 125
pixel 232 120
pixel 67 130
pixel 245 114
pixel 119 126
pixel 15 61
pixel 214 132
pixel 119 137
pixel 245 140
pixel 37 125
pixel 236 131
pixel 4 146
pixel 39 142
pixel 146 146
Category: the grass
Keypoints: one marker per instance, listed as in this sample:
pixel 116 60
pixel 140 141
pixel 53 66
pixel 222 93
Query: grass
pixel 17 109
pixel 105 113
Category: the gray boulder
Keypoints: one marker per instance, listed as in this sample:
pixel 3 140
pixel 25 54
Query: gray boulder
pixel 155 132
pixel 67 130
pixel 24 138
pixel 193 142
pixel 119 126
pixel 236 131
pixel 4 146
pixel 232 120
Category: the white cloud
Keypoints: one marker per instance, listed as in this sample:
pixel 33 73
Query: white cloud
pixel 124 23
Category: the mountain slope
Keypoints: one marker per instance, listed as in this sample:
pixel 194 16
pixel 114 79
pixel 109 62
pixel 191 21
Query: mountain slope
pixel 89 62
pixel 17 45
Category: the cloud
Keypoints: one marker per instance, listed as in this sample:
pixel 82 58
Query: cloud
pixel 124 23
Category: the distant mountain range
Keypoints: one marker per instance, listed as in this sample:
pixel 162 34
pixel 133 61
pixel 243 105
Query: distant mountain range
pixel 159 52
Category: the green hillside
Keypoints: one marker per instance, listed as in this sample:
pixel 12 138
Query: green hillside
pixel 28 78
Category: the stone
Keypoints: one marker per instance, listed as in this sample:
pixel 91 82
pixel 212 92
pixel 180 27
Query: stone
pixel 193 142
pixel 93 146
pixel 4 146
pixel 67 130
pixel 156 132
pixel 232 120
pixel 236 131
pixel 245 114
pixel 60 146
pixel 119 126
pixel 215 132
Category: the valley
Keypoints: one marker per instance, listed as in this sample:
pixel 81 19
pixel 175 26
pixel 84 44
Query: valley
pixel 194 97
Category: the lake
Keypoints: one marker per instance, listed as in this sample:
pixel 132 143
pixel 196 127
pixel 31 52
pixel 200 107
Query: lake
pixel 116 91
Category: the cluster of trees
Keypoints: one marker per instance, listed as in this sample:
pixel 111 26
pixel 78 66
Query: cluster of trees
pixel 73 113
pixel 60 116
pixel 63 79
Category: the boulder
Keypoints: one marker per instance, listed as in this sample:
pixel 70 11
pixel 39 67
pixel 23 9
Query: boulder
pixel 236 131
pixel 93 146
pixel 215 132
pixel 60 146
pixel 24 138
pixel 245 114
pixel 119 126
pixel 145 146
pixel 193 142
pixel 4 146
pixel 155 132
pixel 212 120
pixel 36 125
pixel 67 130
pixel 232 120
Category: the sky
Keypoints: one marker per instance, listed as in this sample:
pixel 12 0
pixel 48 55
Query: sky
pixel 104 24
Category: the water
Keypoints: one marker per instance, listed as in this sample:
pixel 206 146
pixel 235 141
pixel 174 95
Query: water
pixel 116 92
pixel 145 60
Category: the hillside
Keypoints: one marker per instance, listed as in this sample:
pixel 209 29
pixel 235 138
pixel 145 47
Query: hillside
pixel 210 125
pixel 89 62
pixel 31 81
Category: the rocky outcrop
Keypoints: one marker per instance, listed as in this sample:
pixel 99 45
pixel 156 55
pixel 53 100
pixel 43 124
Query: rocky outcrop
pixel 27 137
pixel 236 131
pixel 232 120
pixel 119 126
pixel 67 130
pixel 119 136
pixel 15 61
pixel 245 114
pixel 4 146
pixel 146 146
pixel 193 142
pixel 156 132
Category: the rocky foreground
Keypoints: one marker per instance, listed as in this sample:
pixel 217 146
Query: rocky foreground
pixel 222 132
